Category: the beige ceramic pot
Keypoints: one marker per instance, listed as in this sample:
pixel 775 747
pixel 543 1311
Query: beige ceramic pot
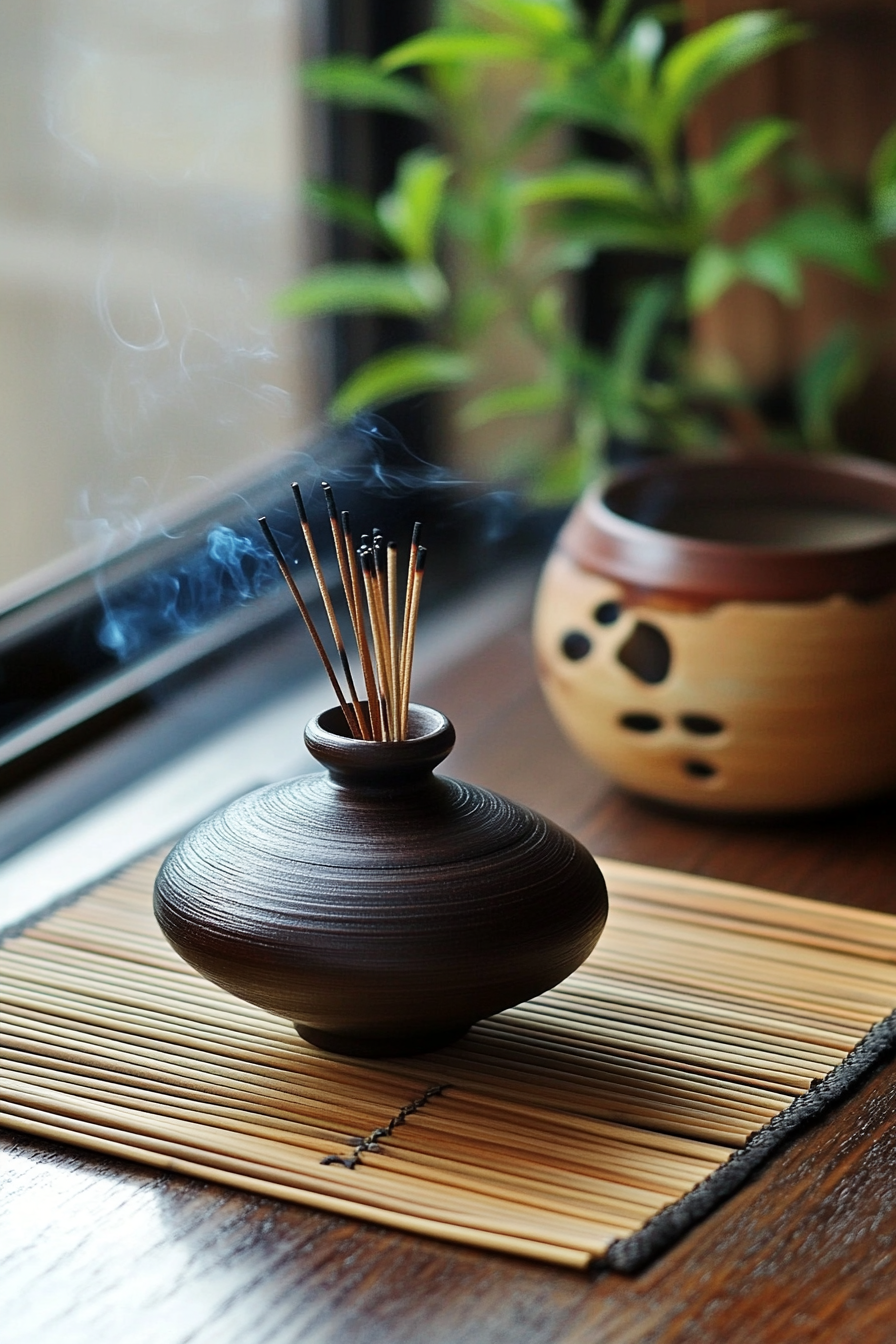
pixel 723 635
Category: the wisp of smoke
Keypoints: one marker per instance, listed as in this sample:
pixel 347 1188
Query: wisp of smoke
pixel 231 570
pixel 371 469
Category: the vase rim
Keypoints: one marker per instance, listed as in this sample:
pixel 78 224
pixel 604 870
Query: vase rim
pixel 432 737
pixel 606 536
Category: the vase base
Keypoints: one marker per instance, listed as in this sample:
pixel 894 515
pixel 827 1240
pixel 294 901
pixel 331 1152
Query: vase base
pixel 379 1047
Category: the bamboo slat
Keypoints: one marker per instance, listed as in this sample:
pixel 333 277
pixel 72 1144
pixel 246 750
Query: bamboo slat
pixel 550 1131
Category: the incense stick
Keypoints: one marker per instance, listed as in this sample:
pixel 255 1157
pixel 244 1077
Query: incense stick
pixel 416 586
pixel 377 627
pixel 373 699
pixel 394 649
pixel 403 674
pixel 347 709
pixel 371 573
pixel 363 730
pixel 352 598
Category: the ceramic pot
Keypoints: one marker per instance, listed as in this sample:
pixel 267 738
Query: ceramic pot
pixel 380 907
pixel 723 635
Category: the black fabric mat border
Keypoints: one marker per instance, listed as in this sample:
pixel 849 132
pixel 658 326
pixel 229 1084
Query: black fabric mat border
pixel 629 1255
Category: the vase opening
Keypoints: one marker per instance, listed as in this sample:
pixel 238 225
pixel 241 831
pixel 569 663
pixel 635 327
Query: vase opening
pixel 423 722
pixel 430 739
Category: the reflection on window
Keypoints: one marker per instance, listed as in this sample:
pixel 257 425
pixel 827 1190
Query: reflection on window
pixel 148 174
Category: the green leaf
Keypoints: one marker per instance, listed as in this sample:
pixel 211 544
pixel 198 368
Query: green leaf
pixel 353 82
pixel 410 291
pixel 611 18
pixel 572 254
pixel 344 205
pixel 405 372
pixel 564 475
pixel 882 185
pixel 410 212
pixel 446 46
pixel 718 183
pixel 606 229
pixel 767 263
pixel 547 313
pixel 475 309
pixel 585 181
pixel 826 235
pixel 667 13
pixel 588 100
pixel 830 375
pixel 499 224
pixel 712 269
pixel 538 18
pixel 520 399
pixel 704 58
pixel 636 337
pixel 751 145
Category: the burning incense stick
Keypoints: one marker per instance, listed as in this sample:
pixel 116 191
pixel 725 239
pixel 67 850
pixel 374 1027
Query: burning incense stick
pixel 382 616
pixel 373 699
pixel 368 568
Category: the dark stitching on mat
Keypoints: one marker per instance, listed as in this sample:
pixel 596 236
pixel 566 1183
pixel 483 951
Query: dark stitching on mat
pixel 370 1144
pixel 633 1253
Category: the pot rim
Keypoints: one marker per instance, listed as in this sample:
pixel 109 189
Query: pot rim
pixel 607 540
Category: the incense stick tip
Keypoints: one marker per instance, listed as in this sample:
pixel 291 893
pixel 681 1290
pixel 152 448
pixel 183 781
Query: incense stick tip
pixel 300 503
pixel 331 502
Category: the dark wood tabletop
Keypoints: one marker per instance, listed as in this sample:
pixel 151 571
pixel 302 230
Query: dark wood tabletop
pixel 99 1250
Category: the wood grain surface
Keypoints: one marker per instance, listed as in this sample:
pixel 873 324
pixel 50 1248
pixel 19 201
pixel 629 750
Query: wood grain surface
pixel 95 1250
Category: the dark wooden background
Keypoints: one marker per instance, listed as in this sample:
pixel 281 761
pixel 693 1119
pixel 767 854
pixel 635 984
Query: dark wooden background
pixel 839 86
pixel 95 1251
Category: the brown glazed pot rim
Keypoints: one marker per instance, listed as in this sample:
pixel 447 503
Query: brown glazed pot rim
pixel 604 537
pixel 431 738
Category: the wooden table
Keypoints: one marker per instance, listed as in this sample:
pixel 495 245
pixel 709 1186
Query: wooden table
pixel 100 1251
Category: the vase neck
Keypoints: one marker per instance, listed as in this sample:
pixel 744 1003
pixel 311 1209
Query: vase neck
pixel 380 764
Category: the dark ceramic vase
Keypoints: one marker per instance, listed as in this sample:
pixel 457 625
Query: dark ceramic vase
pixel 383 909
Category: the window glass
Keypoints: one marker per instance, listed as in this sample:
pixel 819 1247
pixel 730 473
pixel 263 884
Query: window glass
pixel 148 172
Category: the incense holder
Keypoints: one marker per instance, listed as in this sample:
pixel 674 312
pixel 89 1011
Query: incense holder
pixel 721 635
pixel 380 907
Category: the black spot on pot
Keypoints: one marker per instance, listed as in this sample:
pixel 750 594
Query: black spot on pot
pixel 646 653
pixel 575 645
pixel 641 723
pixel 700 769
pixel 704 725
pixel 608 613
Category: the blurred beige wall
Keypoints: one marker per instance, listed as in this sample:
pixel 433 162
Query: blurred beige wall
pixel 148 186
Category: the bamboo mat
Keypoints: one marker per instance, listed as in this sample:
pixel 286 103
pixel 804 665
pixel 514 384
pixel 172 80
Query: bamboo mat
pixel 655 1078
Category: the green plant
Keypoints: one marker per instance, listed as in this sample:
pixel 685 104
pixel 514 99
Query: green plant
pixel 471 236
